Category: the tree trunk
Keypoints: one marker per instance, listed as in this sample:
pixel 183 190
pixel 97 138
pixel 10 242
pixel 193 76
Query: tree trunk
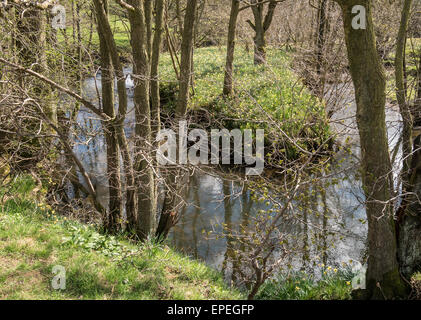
pixel 418 102
pixel 105 30
pixel 113 150
pixel 229 66
pixel 259 37
pixel 401 93
pixel 382 279
pixel 186 57
pixel 148 6
pixel 156 50
pixel 322 28
pixel 176 179
pixel 409 250
pixel 144 172
pixel 260 26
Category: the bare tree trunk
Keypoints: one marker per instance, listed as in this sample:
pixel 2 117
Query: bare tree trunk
pixel 143 163
pixel 259 37
pixel 401 93
pixel 418 102
pixel 409 249
pixel 31 43
pixel 156 50
pixel 186 57
pixel 382 279
pixel 409 216
pixel 229 66
pixel 105 29
pixel 260 26
pixel 112 222
pixel 176 180
pixel 179 16
pixel 148 7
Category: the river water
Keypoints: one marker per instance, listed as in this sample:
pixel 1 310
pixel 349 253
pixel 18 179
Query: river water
pixel 338 218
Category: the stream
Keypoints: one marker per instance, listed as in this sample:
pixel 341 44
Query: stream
pixel 212 201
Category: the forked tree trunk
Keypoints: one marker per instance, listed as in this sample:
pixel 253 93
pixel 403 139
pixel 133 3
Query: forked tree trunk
pixel 260 26
pixel 382 279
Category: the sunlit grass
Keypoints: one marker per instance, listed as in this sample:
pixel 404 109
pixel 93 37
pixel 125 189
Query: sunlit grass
pixel 34 238
pixel 334 285
pixel 270 93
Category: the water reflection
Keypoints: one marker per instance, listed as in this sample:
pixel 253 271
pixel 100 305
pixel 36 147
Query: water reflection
pixel 330 229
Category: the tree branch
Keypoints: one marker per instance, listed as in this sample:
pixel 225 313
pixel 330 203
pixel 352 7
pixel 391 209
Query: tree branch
pixel 41 77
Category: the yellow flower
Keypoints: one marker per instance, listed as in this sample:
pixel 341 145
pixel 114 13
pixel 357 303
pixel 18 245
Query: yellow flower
pixel 297 288
pixel 348 283
pixel 328 268
pixel 335 270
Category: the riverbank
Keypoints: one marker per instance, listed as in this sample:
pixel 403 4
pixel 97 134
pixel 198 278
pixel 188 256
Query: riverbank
pixel 34 239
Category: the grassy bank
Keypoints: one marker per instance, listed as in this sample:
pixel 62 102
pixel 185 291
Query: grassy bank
pixel 270 97
pixel 34 239
pixel 334 285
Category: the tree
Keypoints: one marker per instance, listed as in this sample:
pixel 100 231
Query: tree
pixel 145 180
pixel 321 37
pixel 322 27
pixel 156 50
pixel 382 279
pixel 409 218
pixel 235 9
pixel 401 94
pixel 261 26
pixel 113 149
pixel 175 179
pixel 186 58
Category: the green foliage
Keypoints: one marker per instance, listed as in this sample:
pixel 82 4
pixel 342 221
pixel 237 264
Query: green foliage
pixel 300 286
pixel 86 237
pixel 119 26
pixel 33 239
pixel 262 93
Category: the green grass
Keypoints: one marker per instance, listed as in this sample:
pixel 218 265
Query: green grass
pixel 299 286
pixel 262 93
pixel 33 239
pixel 119 26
